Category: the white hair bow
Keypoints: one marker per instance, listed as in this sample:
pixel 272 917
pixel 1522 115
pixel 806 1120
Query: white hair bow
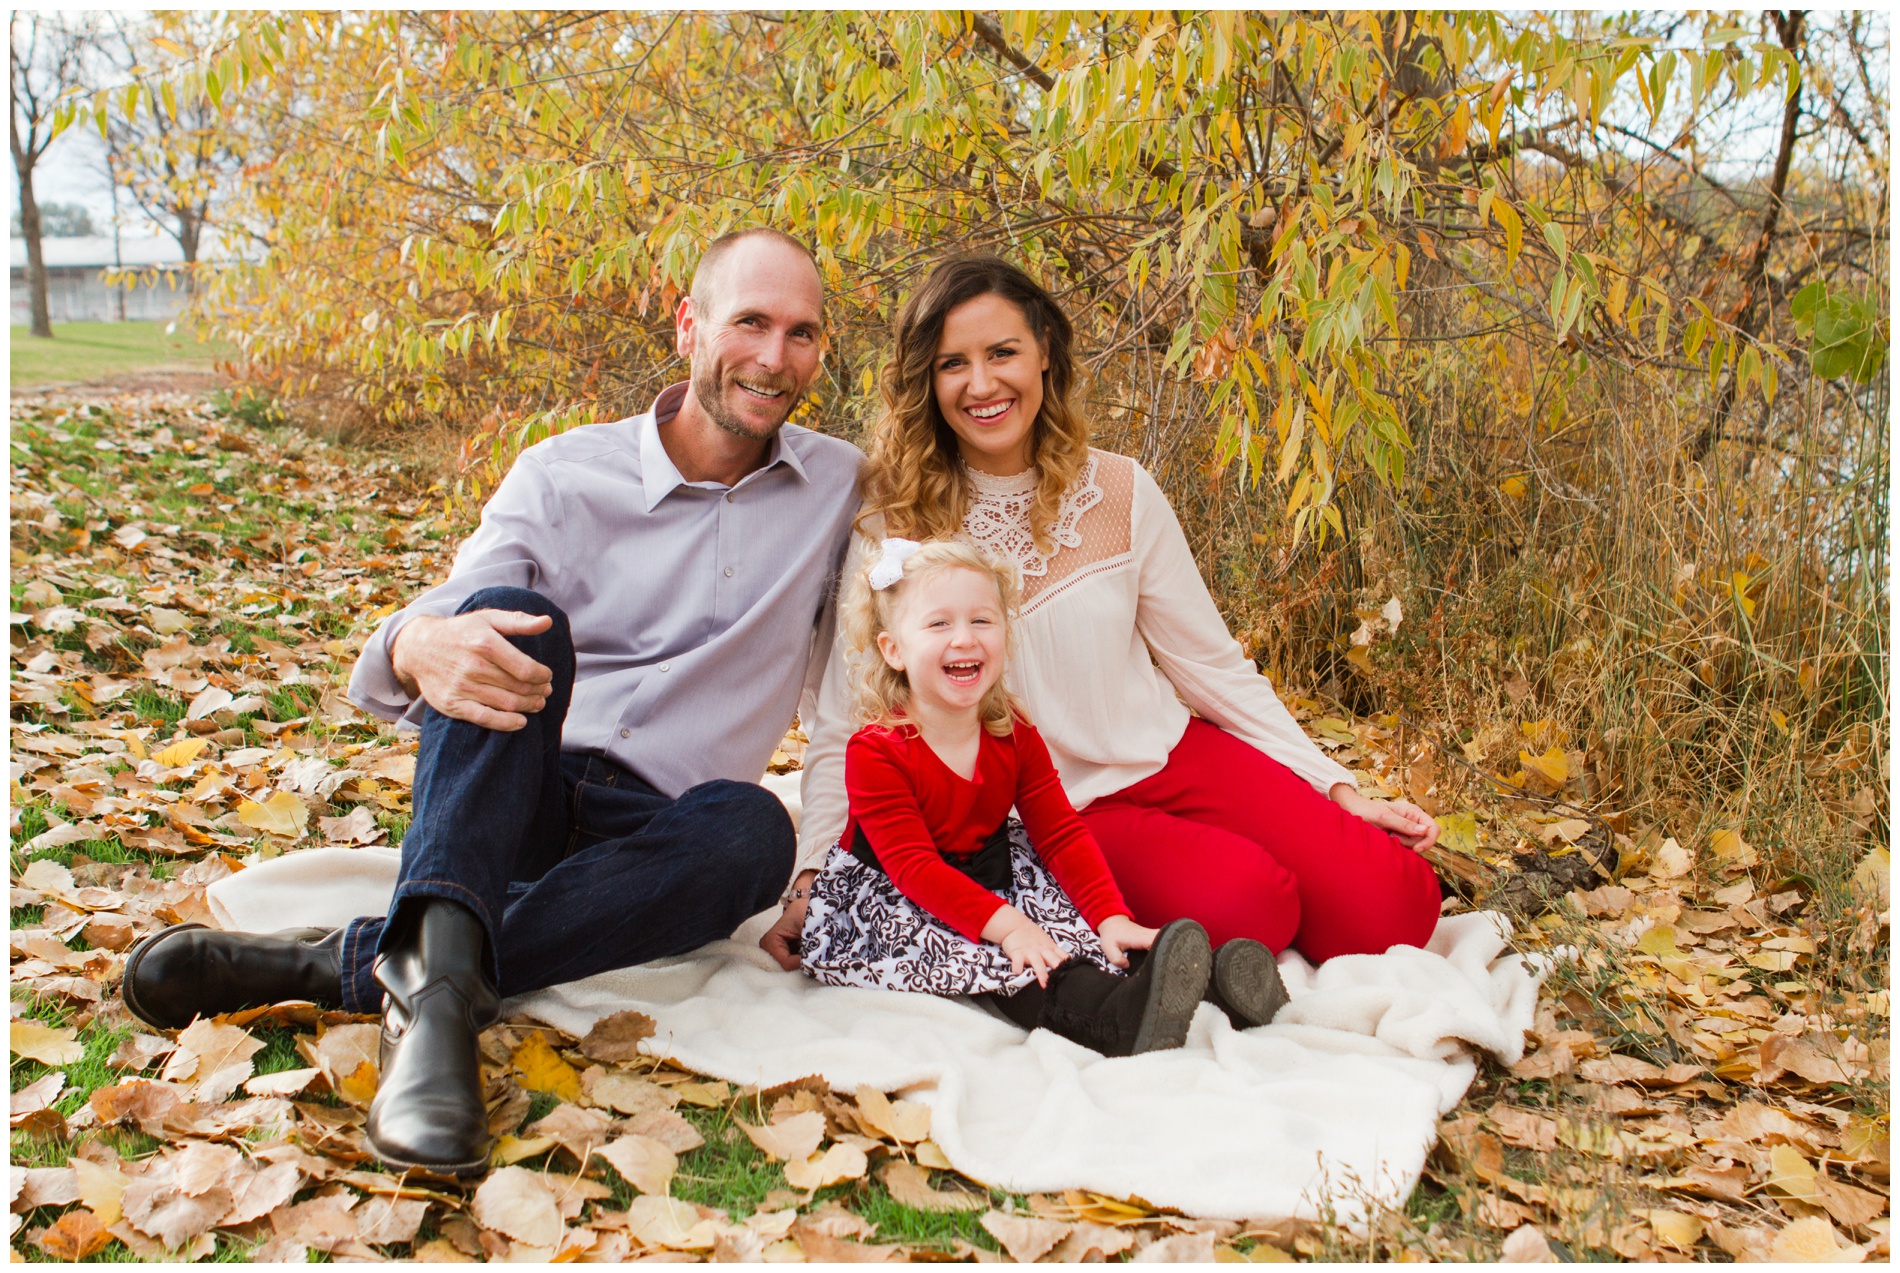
pixel 890 564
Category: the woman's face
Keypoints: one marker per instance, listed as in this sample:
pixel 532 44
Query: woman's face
pixel 988 380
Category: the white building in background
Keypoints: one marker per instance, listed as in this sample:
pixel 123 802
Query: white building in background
pixel 76 290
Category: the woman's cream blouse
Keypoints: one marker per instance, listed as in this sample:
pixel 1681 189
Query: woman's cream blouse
pixel 1117 630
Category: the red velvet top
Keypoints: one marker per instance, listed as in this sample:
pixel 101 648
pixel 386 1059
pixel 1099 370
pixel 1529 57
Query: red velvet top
pixel 915 812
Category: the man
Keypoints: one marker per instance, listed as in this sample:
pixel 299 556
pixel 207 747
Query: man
pixel 599 684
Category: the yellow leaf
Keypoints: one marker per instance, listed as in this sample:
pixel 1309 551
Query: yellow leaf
pixel 539 1068
pixel 1813 1241
pixel 100 1188
pixel 642 1162
pixel 1660 940
pixel 1671 861
pixel 1515 485
pixel 1678 1230
pixel 1873 878
pixel 513 1149
pixel 1780 718
pixel 904 1121
pixel 49 1045
pixel 840 1162
pixel 1569 830
pixel 1459 833
pixel 929 1155
pixel 283 814
pixel 181 753
pixel 791 1139
pixel 1553 766
pixel 709 1095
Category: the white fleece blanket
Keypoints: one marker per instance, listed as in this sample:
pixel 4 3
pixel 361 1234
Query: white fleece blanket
pixel 1333 1107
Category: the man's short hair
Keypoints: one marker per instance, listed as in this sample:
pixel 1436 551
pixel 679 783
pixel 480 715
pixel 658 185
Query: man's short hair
pixel 722 247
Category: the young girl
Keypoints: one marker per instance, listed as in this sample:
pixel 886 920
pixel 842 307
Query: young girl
pixel 932 887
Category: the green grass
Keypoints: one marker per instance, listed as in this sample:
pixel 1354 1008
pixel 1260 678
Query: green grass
pixel 97 351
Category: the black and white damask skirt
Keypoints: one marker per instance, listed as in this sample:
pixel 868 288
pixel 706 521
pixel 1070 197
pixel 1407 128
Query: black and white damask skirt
pixel 860 931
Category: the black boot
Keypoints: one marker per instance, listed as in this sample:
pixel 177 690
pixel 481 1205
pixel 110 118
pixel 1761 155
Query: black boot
pixel 1246 983
pixel 428 1111
pixel 188 971
pixel 1146 1011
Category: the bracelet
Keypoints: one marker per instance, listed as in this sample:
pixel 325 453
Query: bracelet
pixel 795 895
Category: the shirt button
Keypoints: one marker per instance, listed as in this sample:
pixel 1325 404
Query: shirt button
pixel 728 497
pixel 626 733
pixel 666 667
pixel 728 572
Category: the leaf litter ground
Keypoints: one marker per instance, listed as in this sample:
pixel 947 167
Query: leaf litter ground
pixel 191 583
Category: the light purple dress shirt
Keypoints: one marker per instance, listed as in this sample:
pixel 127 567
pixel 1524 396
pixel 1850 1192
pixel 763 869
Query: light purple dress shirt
pixel 701 614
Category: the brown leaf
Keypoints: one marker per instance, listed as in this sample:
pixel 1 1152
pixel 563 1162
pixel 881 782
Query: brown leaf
pixel 140 1051
pixel 668 1222
pixel 642 1162
pixel 45 1187
pixel 358 826
pixel 1093 1243
pixel 200 1167
pixel 910 1184
pixel 578 1130
pixel 37 1095
pixel 385 1220
pixel 205 1048
pixel 1813 1241
pixel 625 1093
pixel 160 1209
pixel 666 1127
pixel 255 1194
pixel 1526 1130
pixel 617 1037
pixel 1527 1245
pixel 1026 1238
pixel 74 1236
pixel 1854 1208
pixel 139 1101
pixel 1502 1213
pixel 280 1083
pixel 324 1223
pixel 1178 1248
pixel 822 1248
pixel 514 1201
pixel 347 1055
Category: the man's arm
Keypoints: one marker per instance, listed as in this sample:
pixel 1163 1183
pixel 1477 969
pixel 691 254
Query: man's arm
pixel 463 665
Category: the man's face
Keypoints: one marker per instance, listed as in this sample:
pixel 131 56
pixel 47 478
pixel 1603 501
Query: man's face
pixel 755 343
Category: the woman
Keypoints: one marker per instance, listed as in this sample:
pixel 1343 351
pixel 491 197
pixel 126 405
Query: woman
pixel 1232 817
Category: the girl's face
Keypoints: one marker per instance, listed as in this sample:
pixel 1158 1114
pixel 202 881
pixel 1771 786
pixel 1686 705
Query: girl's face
pixel 947 637
pixel 987 376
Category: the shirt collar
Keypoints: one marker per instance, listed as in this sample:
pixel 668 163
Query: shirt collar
pixel 660 476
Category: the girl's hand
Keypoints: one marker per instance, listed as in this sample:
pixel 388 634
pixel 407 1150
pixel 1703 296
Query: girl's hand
pixel 1031 947
pixel 1119 933
pixel 1025 942
pixel 1414 828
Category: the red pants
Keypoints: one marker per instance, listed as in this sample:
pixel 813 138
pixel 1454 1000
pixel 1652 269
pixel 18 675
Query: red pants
pixel 1227 836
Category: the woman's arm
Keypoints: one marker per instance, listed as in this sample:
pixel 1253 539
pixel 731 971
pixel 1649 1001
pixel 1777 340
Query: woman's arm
pixel 1184 631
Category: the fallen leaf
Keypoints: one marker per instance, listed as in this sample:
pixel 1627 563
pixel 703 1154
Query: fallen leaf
pixel 40 1094
pixel 626 1093
pixel 389 1221
pixel 709 1095
pixel 49 1045
pixel 282 1083
pixel 1553 766
pixel 617 1037
pixel 666 1127
pixel 514 1201
pixel 539 1068
pixel 160 1209
pixel 906 1122
pixel 1813 1241
pixel 1026 1238
pixel 358 826
pixel 100 1188
pixel 347 1055
pixel 209 702
pixel 1527 1245
pixel 256 1194
pixel 200 1166
pixel 281 815
pixel 791 1140
pixel 575 1128
pixel 910 1184
pixel 1678 1230
pixel 181 753
pixel 1670 860
pixel 642 1162
pixel 670 1223
pixel 74 1236
pixel 840 1162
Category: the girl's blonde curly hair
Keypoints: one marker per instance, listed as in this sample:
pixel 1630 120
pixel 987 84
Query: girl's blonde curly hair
pixel 879 692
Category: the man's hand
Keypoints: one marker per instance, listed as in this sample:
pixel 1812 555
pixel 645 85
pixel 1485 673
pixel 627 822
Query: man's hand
pixel 778 939
pixel 465 668
pixel 1121 934
pixel 1414 828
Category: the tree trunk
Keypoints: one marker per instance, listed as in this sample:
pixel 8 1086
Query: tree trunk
pixel 35 257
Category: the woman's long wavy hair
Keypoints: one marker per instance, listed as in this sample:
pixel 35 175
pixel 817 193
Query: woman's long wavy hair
pixel 914 479
pixel 879 692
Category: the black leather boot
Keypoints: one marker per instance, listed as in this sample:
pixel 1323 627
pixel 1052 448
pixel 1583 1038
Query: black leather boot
pixel 428 1111
pixel 188 971
pixel 1246 983
pixel 1147 1011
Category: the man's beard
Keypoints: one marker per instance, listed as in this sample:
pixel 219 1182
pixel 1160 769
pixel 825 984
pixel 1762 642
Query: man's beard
pixel 710 390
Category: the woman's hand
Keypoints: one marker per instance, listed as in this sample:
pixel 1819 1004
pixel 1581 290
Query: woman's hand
pixel 1119 933
pixel 1026 943
pixel 1415 828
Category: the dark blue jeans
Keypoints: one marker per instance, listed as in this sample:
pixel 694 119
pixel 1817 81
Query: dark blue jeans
pixel 573 864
